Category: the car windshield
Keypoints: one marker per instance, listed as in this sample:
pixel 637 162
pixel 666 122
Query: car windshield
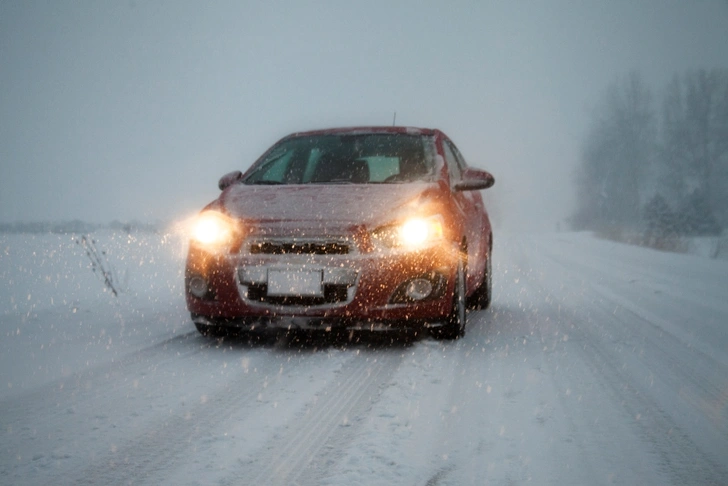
pixel 346 159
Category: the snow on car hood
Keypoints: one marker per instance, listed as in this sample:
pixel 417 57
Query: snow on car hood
pixel 324 205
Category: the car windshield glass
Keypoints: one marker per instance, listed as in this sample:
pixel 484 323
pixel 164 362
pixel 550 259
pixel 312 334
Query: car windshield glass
pixel 346 159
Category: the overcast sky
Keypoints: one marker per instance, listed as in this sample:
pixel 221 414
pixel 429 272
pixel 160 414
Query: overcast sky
pixel 134 109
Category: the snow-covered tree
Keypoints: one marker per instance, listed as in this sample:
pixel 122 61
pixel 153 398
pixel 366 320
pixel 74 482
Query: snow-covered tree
pixel 696 216
pixel 616 156
pixel 694 157
pixel 660 222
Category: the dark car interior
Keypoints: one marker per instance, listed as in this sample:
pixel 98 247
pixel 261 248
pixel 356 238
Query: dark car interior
pixel 352 159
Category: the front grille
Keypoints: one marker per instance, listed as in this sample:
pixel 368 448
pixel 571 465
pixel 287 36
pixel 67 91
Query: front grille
pixel 333 294
pixel 299 248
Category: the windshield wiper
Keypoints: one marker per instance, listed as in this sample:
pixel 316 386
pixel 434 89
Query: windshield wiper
pixel 334 181
pixel 266 183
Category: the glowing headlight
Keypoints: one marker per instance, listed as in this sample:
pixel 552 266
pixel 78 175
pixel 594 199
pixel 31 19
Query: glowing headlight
pixel 417 231
pixel 212 228
pixel 412 233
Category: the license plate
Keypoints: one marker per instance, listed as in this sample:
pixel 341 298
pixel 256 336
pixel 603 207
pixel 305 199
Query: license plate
pixel 303 283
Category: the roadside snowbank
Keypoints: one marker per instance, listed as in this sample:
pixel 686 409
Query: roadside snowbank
pixel 57 317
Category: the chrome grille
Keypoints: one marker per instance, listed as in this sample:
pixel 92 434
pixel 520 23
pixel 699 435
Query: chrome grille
pixel 292 247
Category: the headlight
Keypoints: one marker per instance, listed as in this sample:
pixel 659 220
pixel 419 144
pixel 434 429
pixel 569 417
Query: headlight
pixel 411 233
pixel 213 229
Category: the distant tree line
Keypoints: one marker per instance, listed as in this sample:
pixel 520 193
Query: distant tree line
pixel 79 227
pixel 657 175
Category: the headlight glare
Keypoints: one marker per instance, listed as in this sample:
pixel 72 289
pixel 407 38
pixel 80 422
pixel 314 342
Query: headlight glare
pixel 212 228
pixel 418 231
pixel 411 233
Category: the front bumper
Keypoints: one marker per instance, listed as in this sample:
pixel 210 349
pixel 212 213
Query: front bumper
pixel 360 291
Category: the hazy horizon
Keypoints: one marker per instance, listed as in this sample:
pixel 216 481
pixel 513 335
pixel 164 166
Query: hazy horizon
pixel 133 110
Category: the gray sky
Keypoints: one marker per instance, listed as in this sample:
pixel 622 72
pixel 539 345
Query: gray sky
pixel 134 109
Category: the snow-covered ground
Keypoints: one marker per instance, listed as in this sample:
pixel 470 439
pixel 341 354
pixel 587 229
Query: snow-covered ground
pixel 598 363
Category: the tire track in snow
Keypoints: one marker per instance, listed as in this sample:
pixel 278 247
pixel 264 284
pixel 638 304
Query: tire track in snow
pixel 157 449
pixel 38 425
pixel 297 456
pixel 697 371
pixel 681 457
pixel 71 389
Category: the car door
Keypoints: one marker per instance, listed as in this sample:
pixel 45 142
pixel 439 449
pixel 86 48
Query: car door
pixel 470 206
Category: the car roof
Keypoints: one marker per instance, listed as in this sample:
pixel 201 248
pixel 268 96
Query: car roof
pixel 368 129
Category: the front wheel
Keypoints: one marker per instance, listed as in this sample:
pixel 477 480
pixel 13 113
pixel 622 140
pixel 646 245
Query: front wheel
pixel 480 299
pixel 211 330
pixel 454 327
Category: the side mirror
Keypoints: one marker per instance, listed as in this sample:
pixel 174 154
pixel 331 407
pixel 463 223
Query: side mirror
pixel 229 179
pixel 474 180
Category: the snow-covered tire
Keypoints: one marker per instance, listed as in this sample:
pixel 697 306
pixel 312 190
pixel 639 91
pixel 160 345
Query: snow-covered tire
pixel 481 298
pixel 209 330
pixel 454 326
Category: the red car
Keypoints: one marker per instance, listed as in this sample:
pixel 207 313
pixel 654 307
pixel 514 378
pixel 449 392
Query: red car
pixel 348 228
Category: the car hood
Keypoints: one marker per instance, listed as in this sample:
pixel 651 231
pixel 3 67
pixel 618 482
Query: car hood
pixel 325 205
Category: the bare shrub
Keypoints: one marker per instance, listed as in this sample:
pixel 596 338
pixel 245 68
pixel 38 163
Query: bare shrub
pixel 99 264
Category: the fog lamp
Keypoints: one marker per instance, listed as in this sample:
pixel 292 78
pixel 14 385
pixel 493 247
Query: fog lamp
pixel 198 286
pixel 419 289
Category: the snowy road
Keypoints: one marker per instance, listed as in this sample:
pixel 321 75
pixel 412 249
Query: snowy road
pixel 597 363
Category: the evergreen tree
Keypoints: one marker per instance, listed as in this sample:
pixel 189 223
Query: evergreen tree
pixel 696 216
pixel 661 224
pixel 693 163
pixel 616 155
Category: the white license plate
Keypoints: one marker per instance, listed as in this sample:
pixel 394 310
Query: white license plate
pixel 303 283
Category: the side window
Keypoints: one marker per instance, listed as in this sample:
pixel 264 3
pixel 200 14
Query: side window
pixel 274 169
pixel 459 157
pixel 453 165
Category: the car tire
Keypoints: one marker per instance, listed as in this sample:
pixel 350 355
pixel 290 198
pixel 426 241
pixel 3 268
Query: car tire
pixel 454 326
pixel 209 330
pixel 481 298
